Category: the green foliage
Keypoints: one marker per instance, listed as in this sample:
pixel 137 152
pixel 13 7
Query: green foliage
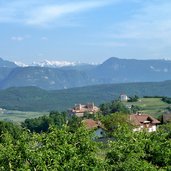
pixel 59 149
pixel 133 98
pixel 13 130
pixel 42 124
pixel 88 115
pixel 139 151
pixel 113 107
pixel 168 108
pixel 135 108
pixel 58 119
pixel 166 128
pixel 71 147
pixel 167 100
pixel 113 121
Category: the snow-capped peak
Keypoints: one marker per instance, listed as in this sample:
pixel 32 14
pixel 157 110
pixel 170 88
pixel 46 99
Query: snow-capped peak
pixel 20 64
pixel 55 64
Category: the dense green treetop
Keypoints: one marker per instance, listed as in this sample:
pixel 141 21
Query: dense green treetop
pixel 75 149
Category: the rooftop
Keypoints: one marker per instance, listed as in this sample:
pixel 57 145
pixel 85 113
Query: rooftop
pixel 139 119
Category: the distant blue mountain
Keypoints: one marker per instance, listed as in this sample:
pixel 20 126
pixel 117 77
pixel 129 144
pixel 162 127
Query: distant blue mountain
pixel 8 64
pixel 113 70
pixel 116 70
pixel 5 68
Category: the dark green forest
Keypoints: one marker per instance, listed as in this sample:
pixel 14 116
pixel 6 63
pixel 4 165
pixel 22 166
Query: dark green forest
pixel 36 99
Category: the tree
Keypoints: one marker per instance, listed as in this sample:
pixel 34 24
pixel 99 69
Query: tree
pixel 139 151
pixel 57 149
pixel 112 107
pixel 135 108
pixel 42 123
pixel 133 98
pixel 113 121
pixel 13 129
pixel 105 108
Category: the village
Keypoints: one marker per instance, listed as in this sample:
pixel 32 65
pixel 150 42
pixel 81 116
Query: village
pixel 139 121
pixel 115 135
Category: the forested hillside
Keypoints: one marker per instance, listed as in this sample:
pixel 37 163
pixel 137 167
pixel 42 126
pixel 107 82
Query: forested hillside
pixel 36 99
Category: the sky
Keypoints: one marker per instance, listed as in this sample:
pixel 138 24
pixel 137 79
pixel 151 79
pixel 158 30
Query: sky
pixel 88 31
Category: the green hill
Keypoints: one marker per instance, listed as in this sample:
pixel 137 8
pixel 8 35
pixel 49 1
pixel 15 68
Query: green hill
pixel 36 99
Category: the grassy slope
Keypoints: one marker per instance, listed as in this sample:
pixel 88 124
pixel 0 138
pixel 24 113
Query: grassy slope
pixel 152 106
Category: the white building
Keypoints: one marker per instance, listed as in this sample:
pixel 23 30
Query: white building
pixel 124 97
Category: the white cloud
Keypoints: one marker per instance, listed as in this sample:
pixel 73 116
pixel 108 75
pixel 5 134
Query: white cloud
pixel 152 21
pixel 42 13
pixel 49 13
pixel 17 38
pixel 44 38
pixel 20 38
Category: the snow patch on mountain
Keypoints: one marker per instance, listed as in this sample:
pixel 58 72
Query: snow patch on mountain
pixel 55 64
pixel 20 64
pixel 159 70
pixel 59 64
pixel 155 69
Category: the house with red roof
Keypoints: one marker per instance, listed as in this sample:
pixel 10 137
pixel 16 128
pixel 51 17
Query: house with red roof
pixel 96 126
pixel 144 121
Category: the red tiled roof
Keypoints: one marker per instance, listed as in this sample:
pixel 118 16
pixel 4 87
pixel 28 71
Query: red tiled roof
pixel 90 123
pixel 138 119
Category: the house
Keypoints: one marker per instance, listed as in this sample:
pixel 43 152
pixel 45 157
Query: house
pixel 144 121
pixel 97 126
pixel 124 98
pixel 80 109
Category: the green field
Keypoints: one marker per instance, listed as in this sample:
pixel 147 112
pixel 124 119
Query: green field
pixel 19 116
pixel 152 106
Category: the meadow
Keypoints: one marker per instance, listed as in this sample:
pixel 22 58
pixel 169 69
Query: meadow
pixel 19 116
pixel 153 106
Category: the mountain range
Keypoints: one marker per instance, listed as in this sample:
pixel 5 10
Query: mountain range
pixel 55 75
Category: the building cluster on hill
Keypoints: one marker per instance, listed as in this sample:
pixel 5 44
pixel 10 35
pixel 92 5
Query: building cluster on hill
pixel 140 121
pixel 80 109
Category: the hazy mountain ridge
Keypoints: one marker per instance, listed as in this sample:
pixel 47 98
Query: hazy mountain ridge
pixel 113 70
pixel 36 99
pixel 5 68
pixel 5 63
pixel 47 78
pixel 116 70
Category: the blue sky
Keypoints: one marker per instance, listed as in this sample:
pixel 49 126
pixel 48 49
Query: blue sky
pixel 84 30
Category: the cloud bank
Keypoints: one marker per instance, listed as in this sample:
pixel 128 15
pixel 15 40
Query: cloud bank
pixel 43 13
